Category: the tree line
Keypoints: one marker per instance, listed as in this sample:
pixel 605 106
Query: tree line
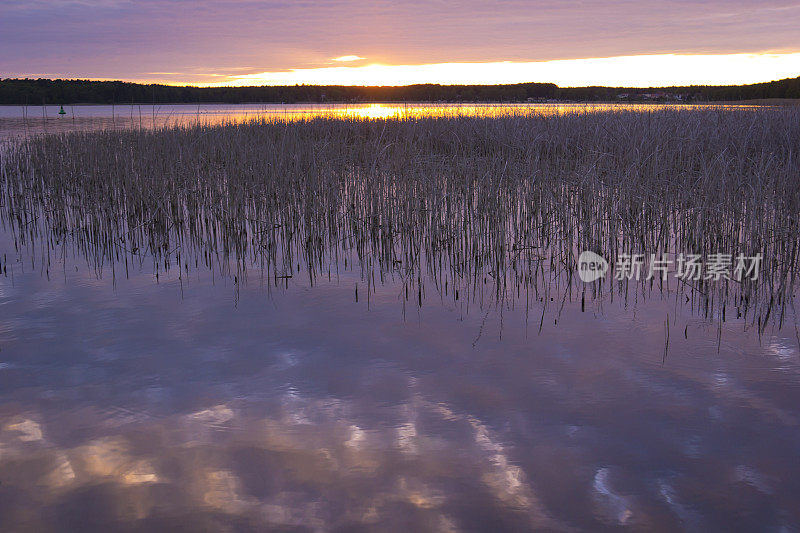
pixel 58 91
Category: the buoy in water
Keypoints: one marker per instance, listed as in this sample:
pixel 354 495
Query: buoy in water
pixel 61 111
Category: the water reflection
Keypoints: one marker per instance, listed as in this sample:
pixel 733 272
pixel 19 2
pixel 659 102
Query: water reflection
pixel 22 121
pixel 192 400
pixel 303 408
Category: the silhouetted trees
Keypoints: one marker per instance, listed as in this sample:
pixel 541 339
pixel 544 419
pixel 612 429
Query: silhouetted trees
pixel 38 91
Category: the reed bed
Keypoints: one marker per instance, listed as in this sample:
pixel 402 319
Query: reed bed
pixel 486 210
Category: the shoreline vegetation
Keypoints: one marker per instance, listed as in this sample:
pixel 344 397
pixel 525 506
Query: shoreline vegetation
pixel 475 210
pixel 62 92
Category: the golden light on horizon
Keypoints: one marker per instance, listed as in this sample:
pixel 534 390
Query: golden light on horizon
pixel 347 58
pixel 374 111
pixel 622 71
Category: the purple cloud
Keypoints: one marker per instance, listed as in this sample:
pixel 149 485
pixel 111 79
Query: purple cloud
pixel 198 41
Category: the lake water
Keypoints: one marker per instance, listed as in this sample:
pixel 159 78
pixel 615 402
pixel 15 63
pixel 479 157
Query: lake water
pixel 21 121
pixel 197 402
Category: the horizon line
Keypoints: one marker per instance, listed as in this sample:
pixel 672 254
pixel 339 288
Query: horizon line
pixel 632 71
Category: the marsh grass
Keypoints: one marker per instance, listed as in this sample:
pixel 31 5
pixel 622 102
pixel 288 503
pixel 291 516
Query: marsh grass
pixel 490 211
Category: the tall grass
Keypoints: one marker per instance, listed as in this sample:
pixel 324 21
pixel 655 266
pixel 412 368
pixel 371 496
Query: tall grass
pixel 478 209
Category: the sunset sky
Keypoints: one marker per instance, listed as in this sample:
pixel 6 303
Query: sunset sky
pixel 230 42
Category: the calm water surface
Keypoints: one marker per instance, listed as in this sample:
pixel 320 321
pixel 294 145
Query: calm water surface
pixel 131 403
pixel 21 121
pixel 197 404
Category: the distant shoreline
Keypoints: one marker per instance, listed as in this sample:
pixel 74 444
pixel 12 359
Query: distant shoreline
pixel 72 92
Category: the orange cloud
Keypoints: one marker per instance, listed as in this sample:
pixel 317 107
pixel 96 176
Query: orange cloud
pixel 629 71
